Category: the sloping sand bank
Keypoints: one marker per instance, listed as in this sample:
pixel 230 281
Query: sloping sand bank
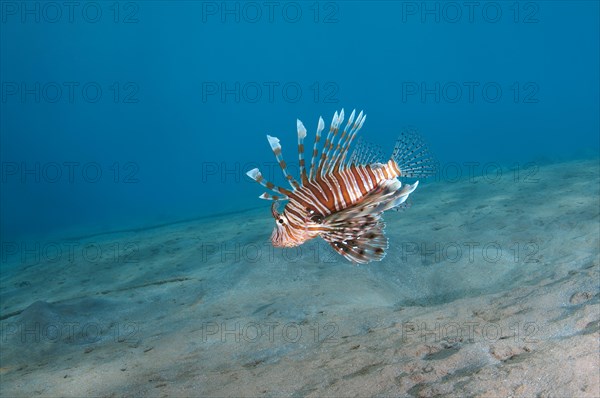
pixel 490 288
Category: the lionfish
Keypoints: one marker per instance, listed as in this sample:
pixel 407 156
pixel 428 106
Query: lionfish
pixel 342 198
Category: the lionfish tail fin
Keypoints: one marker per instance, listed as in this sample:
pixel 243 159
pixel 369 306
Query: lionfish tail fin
pixel 413 157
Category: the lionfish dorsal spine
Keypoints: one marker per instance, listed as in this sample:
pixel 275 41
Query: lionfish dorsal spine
pixel 333 130
pixel 342 144
pixel 301 135
pixel 315 154
pixel 327 157
pixel 276 147
pixel 326 145
pixel 256 175
pixel 273 197
pixel 360 120
pixel 332 154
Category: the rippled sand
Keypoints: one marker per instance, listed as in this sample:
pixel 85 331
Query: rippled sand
pixel 490 288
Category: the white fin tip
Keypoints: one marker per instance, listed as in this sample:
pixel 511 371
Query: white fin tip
pixel 351 119
pixel 301 129
pixel 254 173
pixel 321 125
pixel 273 141
pixel 362 121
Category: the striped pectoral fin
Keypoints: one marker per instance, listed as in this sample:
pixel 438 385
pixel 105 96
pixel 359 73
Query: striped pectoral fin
pixel 360 240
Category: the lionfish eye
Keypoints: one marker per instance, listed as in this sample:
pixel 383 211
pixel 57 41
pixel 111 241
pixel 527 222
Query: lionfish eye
pixel 280 221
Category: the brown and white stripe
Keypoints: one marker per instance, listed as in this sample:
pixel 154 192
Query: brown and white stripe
pixel 332 184
pixel 351 192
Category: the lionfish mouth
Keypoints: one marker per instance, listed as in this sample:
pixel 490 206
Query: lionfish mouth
pixel 278 240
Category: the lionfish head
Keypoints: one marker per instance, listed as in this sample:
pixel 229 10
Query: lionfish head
pixel 284 234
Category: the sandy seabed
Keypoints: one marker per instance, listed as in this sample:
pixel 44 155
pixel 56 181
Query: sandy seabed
pixel 491 287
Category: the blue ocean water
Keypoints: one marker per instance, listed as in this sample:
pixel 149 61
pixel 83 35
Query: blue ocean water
pixel 128 114
pixel 134 251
